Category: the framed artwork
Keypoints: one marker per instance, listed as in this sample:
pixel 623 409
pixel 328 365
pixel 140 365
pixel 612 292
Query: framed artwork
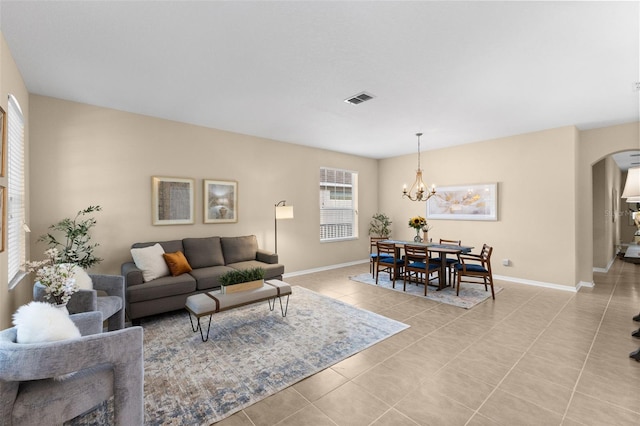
pixel 3 142
pixel 220 201
pixel 3 216
pixel 464 202
pixel 172 200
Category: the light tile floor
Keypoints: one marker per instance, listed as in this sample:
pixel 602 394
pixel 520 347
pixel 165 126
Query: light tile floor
pixel 534 356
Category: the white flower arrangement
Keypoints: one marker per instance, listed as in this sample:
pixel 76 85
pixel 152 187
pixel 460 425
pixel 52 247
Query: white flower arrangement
pixel 57 278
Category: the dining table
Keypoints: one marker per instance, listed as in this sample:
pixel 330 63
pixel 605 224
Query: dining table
pixel 442 249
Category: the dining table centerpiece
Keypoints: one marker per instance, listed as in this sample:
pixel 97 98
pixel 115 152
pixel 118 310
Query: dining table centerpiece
pixel 419 223
pixel 57 278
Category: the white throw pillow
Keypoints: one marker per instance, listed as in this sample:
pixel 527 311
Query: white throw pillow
pixel 83 280
pixel 39 322
pixel 150 261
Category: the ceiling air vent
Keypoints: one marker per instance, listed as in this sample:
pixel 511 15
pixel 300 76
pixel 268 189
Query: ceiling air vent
pixel 359 98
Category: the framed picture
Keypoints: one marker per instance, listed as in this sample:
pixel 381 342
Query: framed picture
pixel 3 216
pixel 3 142
pixel 464 202
pixel 172 200
pixel 220 201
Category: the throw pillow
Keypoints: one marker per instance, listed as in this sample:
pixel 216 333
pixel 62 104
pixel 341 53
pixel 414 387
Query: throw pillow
pixel 83 280
pixel 150 261
pixel 177 263
pixel 39 322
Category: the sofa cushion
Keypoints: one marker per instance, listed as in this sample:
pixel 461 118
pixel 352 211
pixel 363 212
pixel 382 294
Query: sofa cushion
pixel 150 261
pixel 203 252
pixel 161 287
pixel 239 249
pixel 271 270
pixel 177 263
pixel 171 246
pixel 207 278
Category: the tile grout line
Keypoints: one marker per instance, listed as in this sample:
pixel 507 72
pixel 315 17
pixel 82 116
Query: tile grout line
pixel 595 336
pixel 477 411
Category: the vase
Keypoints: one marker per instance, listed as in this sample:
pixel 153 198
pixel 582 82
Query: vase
pixel 417 238
pixel 62 307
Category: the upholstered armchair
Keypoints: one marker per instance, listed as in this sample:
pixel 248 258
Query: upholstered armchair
pixel 105 365
pixel 110 305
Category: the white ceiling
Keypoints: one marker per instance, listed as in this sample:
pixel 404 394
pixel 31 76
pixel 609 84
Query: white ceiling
pixel 459 72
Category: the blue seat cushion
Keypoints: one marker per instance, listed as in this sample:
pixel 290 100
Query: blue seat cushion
pixel 449 261
pixel 389 259
pixel 375 256
pixel 472 268
pixel 421 265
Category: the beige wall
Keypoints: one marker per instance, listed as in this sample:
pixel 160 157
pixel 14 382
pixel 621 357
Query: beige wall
pixel 594 146
pixel 606 212
pixel 85 155
pixel 11 83
pixel 536 213
pixel 627 227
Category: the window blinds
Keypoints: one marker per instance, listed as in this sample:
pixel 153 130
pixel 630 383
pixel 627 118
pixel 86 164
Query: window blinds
pixel 16 193
pixel 338 219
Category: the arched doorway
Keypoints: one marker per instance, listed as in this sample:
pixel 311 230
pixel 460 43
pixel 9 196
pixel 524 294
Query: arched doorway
pixel 613 225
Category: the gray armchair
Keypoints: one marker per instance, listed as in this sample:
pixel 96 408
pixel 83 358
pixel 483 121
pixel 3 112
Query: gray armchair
pixel 111 306
pixel 105 365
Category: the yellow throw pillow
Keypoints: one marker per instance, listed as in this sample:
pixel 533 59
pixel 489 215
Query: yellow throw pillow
pixel 177 263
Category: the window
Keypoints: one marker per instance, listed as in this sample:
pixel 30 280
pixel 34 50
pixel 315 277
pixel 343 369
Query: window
pixel 338 204
pixel 16 241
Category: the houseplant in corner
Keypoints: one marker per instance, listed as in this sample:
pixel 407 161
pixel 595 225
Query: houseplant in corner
pixel 241 280
pixel 379 225
pixel 75 244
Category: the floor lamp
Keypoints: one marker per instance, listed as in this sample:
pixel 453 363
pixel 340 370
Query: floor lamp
pixel 282 211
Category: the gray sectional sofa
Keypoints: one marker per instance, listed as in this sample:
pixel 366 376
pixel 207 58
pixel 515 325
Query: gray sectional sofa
pixel 208 257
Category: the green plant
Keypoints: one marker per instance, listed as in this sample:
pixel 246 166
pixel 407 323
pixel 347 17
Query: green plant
pixel 379 225
pixel 74 246
pixel 238 277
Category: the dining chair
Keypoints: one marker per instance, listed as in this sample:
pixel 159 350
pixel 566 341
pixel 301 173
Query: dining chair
pixel 476 268
pixel 389 260
pixel 451 261
pixel 416 263
pixel 373 253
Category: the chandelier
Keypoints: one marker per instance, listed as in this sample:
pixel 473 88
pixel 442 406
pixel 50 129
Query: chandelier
pixel 418 191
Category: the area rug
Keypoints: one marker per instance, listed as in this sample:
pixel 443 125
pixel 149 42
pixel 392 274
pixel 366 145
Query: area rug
pixel 251 353
pixel 470 294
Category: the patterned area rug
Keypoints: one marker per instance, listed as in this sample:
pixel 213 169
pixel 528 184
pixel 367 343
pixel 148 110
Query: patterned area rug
pixel 470 294
pixel 251 353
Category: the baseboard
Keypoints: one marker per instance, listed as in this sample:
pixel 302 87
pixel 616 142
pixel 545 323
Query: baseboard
pixel 323 268
pixel 605 270
pixel 585 284
pixel 536 283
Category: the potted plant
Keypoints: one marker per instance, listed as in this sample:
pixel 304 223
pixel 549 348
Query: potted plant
pixel 241 280
pixel 75 244
pixel 379 225
pixel 57 278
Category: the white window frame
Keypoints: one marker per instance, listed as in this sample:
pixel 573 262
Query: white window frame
pixel 16 220
pixel 333 182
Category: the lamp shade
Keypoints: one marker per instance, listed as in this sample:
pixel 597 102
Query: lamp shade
pixel 632 186
pixel 284 212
